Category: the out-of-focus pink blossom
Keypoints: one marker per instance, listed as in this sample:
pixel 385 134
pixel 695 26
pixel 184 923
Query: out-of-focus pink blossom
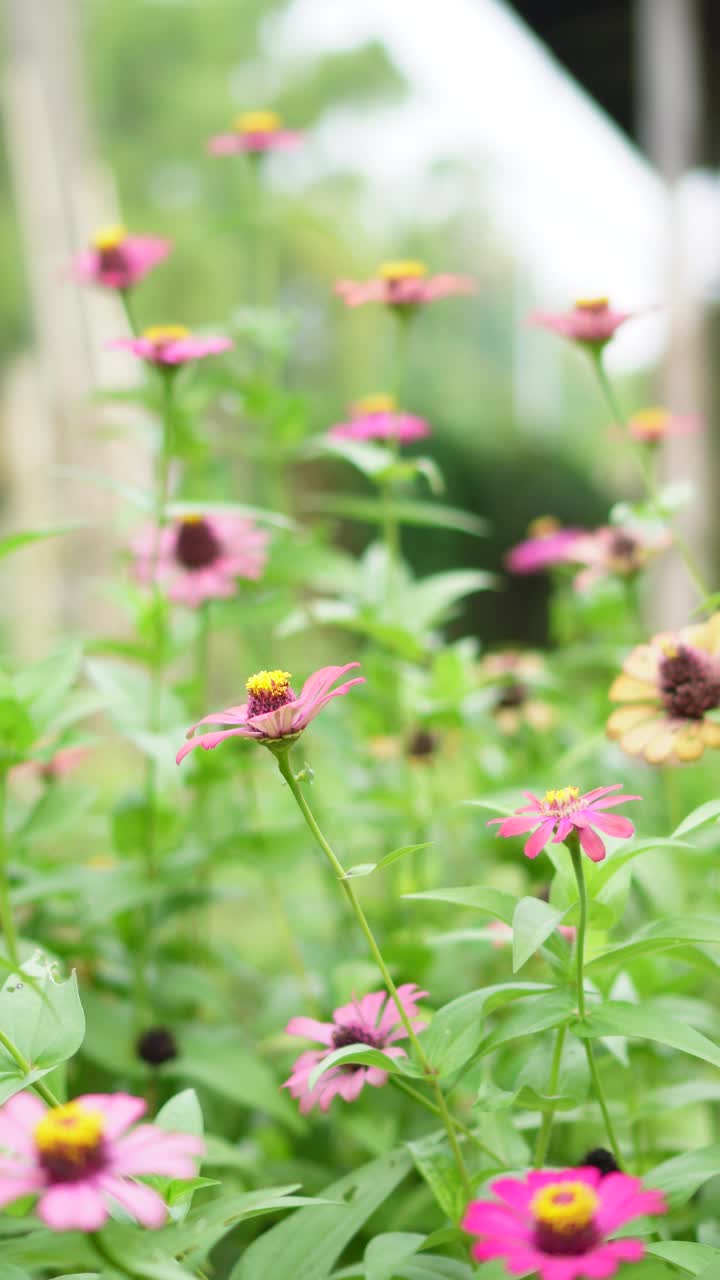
pixel 58 765
pixel 612 551
pixel 591 321
pixel 255 132
pixel 171 345
pixel 548 544
pixel 403 284
pixel 117 260
pixel 377 417
pixel 199 558
pixel 563 811
pixel 650 426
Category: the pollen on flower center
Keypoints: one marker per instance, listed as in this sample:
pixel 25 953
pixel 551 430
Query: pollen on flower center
pixel 160 334
pixel 258 122
pixel 69 1141
pixel 543 526
pixel 592 304
pixel 109 238
pixel 564 1215
pixel 196 546
pixel 689 682
pixel 268 690
pixel 561 800
pixel 379 403
pixel 654 420
pixel 408 269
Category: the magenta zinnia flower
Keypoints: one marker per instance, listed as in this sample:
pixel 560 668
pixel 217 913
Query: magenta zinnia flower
pixel 378 418
pixel 591 321
pixel 557 1223
pixel 272 711
pixel 650 426
pixel 373 1021
pixel 255 131
pixel 403 284
pixel 116 260
pixel 78 1156
pixel 560 812
pixel 198 558
pixel 548 544
pixel 171 345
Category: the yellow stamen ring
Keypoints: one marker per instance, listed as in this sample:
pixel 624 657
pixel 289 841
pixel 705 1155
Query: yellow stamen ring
pixel 109 238
pixel 269 682
pixel 407 269
pixel 565 1206
pixel 71 1131
pixel 258 122
pixel 379 403
pixel 161 333
pixel 561 798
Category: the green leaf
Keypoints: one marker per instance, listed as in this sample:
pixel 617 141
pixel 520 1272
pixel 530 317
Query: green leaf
pixel 681 1177
pixel 360 1053
pixel 181 1114
pixel 261 515
pixel 435 1165
pixel 58 809
pixel 618 1018
pixel 491 902
pixel 309 1243
pixel 698 818
pixel 389 1251
pixel 664 935
pixel 367 868
pixel 44 1021
pixel 127 693
pixel 423 604
pixel 16 541
pixel 46 684
pixel 404 511
pixel 457 1029
pixel 532 922
pixel 218 1060
pixel 553 1010
pixel 603 872
pixel 687 1255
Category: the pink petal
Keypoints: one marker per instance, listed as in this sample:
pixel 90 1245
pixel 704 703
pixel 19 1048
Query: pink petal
pixel 591 844
pixel 537 843
pixel 608 804
pixel 277 723
pixel 142 1203
pixel 485 1218
pixel 311 1029
pixel 76 1206
pixel 118 1110
pixel 352 1084
pixel 370 1006
pixel 514 1191
pixel 18 1118
pixel 22 1183
pixel 613 825
pixel 208 741
pixel 518 824
pixel 409 995
pixel 151 1150
pixel 624 1198
pixel 601 791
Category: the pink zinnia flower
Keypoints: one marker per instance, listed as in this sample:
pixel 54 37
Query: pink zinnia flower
pixel 61 762
pixel 614 552
pixel 378 418
pixel 78 1156
pixel 198 558
pixel 171 344
pixel 255 131
pixel 119 261
pixel 566 810
pixel 403 284
pixel 272 711
pixel 373 1021
pixel 591 321
pixel 556 1224
pixel 548 544
pixel 650 426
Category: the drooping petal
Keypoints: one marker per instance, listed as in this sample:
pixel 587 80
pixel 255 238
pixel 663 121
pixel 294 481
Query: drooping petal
pixel 612 824
pixel 537 842
pixel 18 1118
pixel 591 844
pixel 73 1206
pixel 208 741
pixel 141 1202
pixel 311 1029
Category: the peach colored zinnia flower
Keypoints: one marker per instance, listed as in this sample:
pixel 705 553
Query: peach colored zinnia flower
pixel 591 321
pixel 650 426
pixel 79 1156
pixel 557 1224
pixel 168 345
pixel 198 558
pixel 667 689
pixel 255 132
pixel 273 712
pixel 403 284
pixel 377 417
pixel 374 1021
pixel 117 260
pixel 565 810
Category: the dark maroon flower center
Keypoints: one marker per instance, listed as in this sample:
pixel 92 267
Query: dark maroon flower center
pixel 112 258
pixel 625 552
pixel 511 695
pixel 196 546
pixel 689 683
pixel 564 1244
pixel 73 1165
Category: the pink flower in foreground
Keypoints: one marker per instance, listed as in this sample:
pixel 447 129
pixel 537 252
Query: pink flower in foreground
pixel 548 544
pixel 171 344
pixel 255 131
pixel 561 812
pixel 116 260
pixel 198 558
pixel 615 552
pixel 378 418
pixel 78 1156
pixel 591 321
pixel 650 426
pixel 272 711
pixel 372 1021
pixel 403 284
pixel 557 1223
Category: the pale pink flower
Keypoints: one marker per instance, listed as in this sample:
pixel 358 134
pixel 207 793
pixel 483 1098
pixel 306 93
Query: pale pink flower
pixel 199 558
pixel 501 934
pixel 273 711
pixel 557 1224
pixel 171 345
pixel 255 132
pixel 374 1021
pixel 548 544
pixel 61 762
pixel 79 1156
pixel 650 426
pixel 611 551
pixel 403 284
pixel 116 260
pixel 563 811
pixel 377 417
pixel 591 321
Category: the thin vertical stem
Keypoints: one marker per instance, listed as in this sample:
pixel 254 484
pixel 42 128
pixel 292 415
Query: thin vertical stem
pixel 543 1138
pixel 7 920
pixel 26 1067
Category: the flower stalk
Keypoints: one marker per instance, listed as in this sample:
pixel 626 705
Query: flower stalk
pixel 7 920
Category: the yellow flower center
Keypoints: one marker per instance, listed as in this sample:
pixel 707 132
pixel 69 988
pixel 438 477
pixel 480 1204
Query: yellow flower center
pixel 379 403
pixel 70 1133
pixel 269 682
pixel 258 122
pixel 592 304
pixel 408 269
pixel 161 333
pixel 565 1206
pixel 543 526
pixel 654 421
pixel 669 648
pixel 109 238
pixel 562 798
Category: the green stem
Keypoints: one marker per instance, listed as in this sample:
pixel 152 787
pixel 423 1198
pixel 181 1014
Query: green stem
pixel 105 1254
pixel 129 311
pixel 573 845
pixel 543 1138
pixel 7 921
pixel 26 1067
pixel 420 1098
pixel 692 567
pixel 349 891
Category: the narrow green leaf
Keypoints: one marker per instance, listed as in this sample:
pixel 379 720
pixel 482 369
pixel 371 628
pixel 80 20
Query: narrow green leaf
pixel 491 902
pixel 698 818
pixel 642 1022
pixel 689 1256
pixel 387 1252
pixel 407 511
pixel 533 921
pixel 16 541
pixel 680 1177
pixel 360 1053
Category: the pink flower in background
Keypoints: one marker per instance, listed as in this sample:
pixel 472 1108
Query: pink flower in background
pixel 116 260
pixel 612 551
pixel 378 418
pixel 272 710
pixel 403 284
pixel 78 1156
pixel 501 934
pixel 560 812
pixel 557 1223
pixel 372 1021
pixel 199 558
pixel 58 765
pixel 255 131
pixel 591 321
pixel 548 544
pixel 171 345
pixel 650 426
